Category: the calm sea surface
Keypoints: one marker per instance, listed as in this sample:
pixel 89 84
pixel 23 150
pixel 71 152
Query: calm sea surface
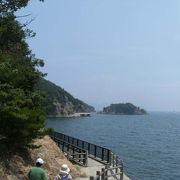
pixel 148 144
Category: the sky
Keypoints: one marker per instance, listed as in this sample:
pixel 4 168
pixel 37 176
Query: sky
pixel 110 51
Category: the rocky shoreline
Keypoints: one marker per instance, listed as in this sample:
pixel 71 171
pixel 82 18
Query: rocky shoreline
pixel 84 114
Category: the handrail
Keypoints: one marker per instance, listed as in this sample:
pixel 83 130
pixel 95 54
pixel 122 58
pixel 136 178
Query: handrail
pixel 104 155
pixel 74 153
pixel 57 133
pixel 94 151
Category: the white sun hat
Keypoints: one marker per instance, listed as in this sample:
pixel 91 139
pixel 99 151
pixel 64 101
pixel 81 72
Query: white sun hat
pixel 64 169
pixel 40 161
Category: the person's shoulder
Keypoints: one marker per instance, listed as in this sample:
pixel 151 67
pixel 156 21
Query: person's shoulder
pixel 69 177
pixel 57 177
pixel 34 167
pixel 41 169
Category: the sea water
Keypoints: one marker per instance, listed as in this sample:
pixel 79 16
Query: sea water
pixel 148 144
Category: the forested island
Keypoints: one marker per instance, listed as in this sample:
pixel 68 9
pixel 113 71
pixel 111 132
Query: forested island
pixel 59 102
pixel 123 109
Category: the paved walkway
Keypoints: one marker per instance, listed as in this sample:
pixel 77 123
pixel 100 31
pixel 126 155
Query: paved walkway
pixel 94 166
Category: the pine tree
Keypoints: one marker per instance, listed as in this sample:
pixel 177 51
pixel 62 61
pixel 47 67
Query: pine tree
pixel 22 116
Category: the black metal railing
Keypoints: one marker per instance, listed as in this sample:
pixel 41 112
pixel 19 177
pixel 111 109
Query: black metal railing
pixel 94 151
pixel 113 164
pixel 73 153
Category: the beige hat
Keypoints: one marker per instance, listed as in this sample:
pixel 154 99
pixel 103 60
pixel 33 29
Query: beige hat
pixel 64 169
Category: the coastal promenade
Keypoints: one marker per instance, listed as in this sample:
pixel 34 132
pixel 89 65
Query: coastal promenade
pixel 93 160
pixel 92 167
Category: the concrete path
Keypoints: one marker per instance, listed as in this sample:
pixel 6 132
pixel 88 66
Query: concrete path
pixel 94 166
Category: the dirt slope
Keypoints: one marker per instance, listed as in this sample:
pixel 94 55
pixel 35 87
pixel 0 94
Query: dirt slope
pixel 18 166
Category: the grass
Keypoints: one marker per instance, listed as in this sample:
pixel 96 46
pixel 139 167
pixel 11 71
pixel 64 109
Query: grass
pixel 82 174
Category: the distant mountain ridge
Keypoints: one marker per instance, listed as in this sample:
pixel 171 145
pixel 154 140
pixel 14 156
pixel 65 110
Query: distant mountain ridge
pixel 61 103
pixel 123 108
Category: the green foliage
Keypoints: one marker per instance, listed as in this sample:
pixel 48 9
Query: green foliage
pixel 22 108
pixel 12 5
pixel 56 93
pixel 20 119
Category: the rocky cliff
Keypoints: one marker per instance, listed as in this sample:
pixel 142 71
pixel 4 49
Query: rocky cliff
pixel 59 102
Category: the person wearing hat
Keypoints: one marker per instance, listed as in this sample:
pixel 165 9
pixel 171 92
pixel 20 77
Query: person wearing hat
pixel 37 172
pixel 64 173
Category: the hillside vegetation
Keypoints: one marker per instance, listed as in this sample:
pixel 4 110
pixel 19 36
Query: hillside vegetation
pixel 60 102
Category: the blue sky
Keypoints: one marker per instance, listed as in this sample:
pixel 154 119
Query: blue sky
pixel 111 51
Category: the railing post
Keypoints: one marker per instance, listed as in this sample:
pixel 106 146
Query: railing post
pixel 68 148
pixel 89 147
pixel 116 164
pixel 102 156
pixel 73 155
pixel 121 173
pixel 86 159
pixel 98 175
pixel 102 174
pixel 63 147
pixel 79 155
pixel 113 159
pixel 72 141
pixel 95 150
pixel 106 172
pixel 77 143
pixel 109 157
